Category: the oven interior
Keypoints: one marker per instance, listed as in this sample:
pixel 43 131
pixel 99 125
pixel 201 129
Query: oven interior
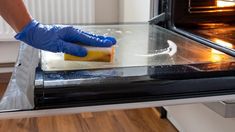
pixel 213 20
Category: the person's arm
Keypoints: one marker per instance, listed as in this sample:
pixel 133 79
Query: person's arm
pixel 15 13
pixel 54 38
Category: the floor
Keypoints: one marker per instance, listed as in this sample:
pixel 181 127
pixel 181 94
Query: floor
pixel 138 120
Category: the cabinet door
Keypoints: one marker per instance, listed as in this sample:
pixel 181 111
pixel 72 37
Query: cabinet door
pixel 9 53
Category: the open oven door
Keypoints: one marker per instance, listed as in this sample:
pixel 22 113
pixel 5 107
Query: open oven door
pixel 152 67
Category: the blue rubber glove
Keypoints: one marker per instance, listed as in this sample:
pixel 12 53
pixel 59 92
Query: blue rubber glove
pixel 57 38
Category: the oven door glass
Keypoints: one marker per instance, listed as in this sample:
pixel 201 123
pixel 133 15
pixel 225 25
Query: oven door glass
pixel 139 45
pixel 150 64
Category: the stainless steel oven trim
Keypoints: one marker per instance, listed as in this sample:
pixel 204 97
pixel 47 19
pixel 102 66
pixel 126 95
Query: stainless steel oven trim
pixel 154 10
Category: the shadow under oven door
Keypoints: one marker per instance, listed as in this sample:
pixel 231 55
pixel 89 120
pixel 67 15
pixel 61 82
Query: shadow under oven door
pixel 152 67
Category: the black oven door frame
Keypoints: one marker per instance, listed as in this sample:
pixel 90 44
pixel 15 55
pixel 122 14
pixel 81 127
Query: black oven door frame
pixel 160 83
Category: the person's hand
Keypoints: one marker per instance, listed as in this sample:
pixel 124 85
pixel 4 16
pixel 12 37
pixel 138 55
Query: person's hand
pixel 56 38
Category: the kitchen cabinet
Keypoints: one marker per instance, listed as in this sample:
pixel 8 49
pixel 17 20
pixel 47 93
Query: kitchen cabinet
pixel 198 118
pixel 8 55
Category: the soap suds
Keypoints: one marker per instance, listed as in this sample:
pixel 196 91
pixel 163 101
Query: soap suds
pixel 171 50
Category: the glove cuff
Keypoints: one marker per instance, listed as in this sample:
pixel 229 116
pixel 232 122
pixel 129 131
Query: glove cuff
pixel 22 35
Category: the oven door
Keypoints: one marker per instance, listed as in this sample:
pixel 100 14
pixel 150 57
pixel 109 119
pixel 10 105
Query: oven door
pixel 152 67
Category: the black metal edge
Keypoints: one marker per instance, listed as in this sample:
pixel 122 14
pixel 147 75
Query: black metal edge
pixel 155 73
pixel 184 89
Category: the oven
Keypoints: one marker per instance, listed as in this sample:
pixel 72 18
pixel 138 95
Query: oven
pixel 210 22
pixel 185 54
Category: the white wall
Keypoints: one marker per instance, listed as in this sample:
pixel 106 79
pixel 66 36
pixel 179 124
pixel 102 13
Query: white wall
pixel 111 11
pixel 134 10
pixel 106 11
pixel 199 118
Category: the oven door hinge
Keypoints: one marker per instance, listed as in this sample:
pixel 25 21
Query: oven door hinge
pixel 159 18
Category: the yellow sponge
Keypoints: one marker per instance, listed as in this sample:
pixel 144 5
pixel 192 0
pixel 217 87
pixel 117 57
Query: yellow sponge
pixel 96 54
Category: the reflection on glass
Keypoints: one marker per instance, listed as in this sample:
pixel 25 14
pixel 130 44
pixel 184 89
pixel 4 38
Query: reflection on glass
pixel 223 3
pixel 211 25
pixel 217 56
pixel 220 33
pixel 221 43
